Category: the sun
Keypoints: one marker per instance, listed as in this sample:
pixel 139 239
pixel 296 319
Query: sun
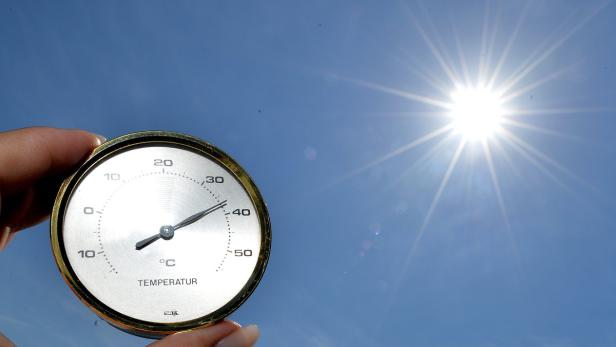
pixel 476 112
pixel 482 106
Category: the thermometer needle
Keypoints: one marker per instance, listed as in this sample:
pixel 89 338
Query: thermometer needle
pixel 167 231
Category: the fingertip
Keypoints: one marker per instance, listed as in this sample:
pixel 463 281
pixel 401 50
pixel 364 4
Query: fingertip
pixel 5 235
pixel 243 337
pixel 233 322
pixel 84 137
pixel 100 139
pixel 200 337
pixel 252 332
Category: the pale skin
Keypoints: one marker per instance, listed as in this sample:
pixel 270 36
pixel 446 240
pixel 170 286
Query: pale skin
pixel 33 163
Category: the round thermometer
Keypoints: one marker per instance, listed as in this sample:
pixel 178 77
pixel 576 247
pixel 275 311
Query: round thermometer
pixel 160 232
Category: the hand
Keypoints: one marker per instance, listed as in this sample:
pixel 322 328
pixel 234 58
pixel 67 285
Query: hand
pixel 167 231
pixel 33 163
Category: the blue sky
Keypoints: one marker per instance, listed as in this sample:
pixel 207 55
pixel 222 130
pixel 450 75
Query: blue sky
pixel 297 93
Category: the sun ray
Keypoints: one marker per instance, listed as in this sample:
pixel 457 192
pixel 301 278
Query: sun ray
pixel 440 46
pixel 397 92
pixel 425 75
pixel 518 146
pixel 523 90
pixel 495 184
pixel 552 48
pixel 535 162
pixel 434 50
pixel 541 47
pixel 409 255
pixel 401 114
pixel 496 143
pixel 557 111
pixel 461 57
pixel 484 44
pixel 437 197
pixel 508 46
pixel 501 202
pixel 425 157
pixel 491 45
pixel 470 166
pixel 427 137
pixel 547 159
pixel 512 122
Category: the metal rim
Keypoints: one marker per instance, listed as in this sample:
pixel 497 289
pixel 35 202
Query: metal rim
pixel 149 138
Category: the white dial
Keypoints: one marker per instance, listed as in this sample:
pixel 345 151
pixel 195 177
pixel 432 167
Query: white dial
pixel 163 234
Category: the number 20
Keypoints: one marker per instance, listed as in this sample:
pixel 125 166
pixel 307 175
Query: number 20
pixel 163 162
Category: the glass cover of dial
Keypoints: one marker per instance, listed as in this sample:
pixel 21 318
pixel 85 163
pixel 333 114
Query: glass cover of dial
pixel 161 234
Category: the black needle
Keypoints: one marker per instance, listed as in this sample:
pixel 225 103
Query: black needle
pixel 167 231
pixel 141 244
pixel 195 217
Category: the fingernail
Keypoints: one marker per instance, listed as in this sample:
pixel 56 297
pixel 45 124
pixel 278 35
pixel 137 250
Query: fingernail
pixel 234 323
pixel 11 237
pixel 246 336
pixel 101 139
pixel 5 233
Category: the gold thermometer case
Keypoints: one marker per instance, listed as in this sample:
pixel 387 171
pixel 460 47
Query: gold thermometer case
pixel 164 138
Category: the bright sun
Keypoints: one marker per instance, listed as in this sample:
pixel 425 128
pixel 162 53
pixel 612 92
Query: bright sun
pixel 476 112
pixel 480 105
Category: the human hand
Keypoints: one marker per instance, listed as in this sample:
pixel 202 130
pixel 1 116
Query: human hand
pixel 33 164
